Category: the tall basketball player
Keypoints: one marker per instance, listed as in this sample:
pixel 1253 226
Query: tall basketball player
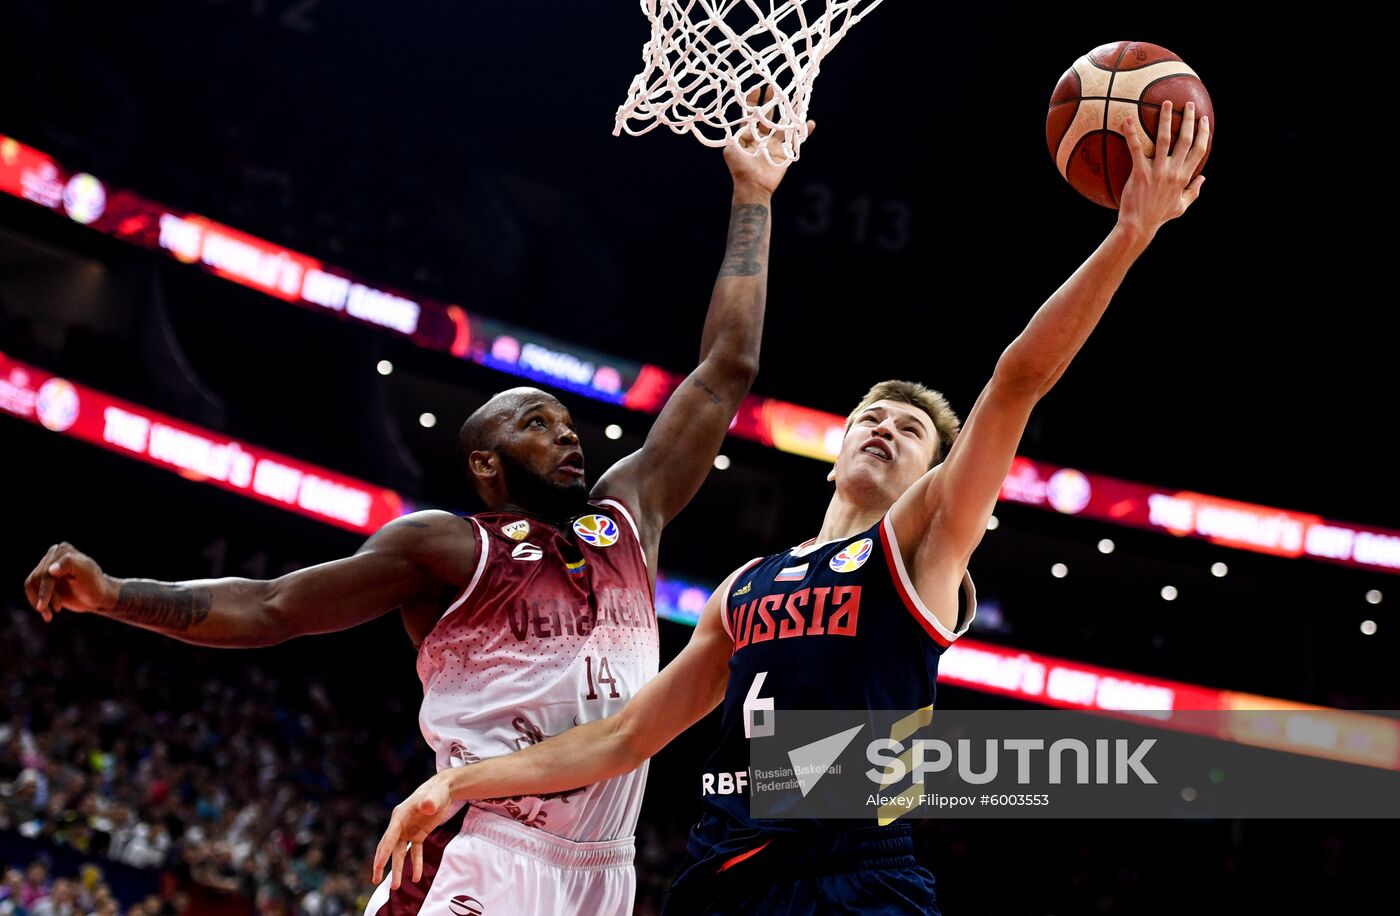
pixel 855 618
pixel 529 618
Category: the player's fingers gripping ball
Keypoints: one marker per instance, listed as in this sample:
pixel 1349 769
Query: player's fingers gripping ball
pixel 1084 127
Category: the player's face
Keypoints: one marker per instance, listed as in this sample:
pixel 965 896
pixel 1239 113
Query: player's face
pixel 888 447
pixel 540 438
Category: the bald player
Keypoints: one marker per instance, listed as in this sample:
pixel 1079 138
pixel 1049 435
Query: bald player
pixel 529 618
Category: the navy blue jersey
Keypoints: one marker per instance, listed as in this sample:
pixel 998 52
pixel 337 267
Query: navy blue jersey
pixel 825 626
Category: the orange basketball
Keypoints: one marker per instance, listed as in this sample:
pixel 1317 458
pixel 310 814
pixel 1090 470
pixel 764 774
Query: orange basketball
pixel 1084 128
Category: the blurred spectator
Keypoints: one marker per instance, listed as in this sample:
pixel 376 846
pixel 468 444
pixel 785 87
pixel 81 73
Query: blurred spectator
pixel 238 787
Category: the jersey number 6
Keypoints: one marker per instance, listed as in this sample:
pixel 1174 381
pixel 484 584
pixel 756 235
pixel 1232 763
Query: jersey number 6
pixel 758 711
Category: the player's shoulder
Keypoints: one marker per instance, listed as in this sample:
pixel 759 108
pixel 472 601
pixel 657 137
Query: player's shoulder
pixel 427 529
pixel 432 539
pixel 432 519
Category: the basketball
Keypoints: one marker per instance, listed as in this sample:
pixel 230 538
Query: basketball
pixel 1084 128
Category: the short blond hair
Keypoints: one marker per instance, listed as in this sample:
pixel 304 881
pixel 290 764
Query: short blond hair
pixel 926 399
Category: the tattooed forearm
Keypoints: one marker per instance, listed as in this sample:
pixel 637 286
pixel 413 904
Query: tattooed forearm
pixel 742 256
pixel 698 382
pixel 170 608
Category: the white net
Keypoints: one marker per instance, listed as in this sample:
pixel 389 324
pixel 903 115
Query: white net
pixel 708 63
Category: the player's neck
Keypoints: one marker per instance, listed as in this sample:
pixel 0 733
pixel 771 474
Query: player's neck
pixel 558 518
pixel 845 517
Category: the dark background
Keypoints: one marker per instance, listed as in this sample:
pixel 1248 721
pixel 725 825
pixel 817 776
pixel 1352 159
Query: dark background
pixel 464 152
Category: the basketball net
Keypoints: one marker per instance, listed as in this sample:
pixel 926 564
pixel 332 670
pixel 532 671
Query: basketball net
pixel 706 58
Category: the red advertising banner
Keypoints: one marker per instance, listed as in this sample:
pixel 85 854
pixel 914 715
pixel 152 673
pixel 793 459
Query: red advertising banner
pixel 193 452
pixel 1241 526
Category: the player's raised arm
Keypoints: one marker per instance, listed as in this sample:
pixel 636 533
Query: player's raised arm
pixel 940 520
pixel 409 558
pixel 661 477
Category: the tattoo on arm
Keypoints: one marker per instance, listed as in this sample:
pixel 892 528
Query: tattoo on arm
pixel 698 382
pixel 741 257
pixel 174 608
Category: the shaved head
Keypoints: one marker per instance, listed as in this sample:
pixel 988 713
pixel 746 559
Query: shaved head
pixel 520 447
pixel 481 431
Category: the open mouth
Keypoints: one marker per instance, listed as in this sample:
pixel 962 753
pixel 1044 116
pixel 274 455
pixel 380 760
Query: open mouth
pixel 572 464
pixel 879 448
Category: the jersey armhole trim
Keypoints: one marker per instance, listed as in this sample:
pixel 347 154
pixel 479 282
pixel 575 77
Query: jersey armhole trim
pixel 636 534
pixel 483 548
pixel 905 586
pixel 727 588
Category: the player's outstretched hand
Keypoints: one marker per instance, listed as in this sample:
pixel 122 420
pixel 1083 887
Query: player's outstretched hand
pixel 67 579
pixel 413 819
pixel 1160 187
pixel 746 163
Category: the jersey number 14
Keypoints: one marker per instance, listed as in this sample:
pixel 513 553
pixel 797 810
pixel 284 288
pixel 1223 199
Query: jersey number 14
pixel 604 677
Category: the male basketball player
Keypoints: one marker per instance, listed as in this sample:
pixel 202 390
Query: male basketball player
pixel 529 618
pixel 856 618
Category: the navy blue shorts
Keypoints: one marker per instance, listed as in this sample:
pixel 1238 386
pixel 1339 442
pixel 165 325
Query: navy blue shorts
pixel 862 871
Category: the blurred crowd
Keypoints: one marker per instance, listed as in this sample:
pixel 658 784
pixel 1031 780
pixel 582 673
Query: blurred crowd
pixel 252 787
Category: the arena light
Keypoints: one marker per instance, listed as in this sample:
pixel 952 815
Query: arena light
pixel 272 269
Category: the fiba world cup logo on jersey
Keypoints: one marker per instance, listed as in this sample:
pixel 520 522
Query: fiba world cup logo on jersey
pixel 852 556
pixel 596 530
